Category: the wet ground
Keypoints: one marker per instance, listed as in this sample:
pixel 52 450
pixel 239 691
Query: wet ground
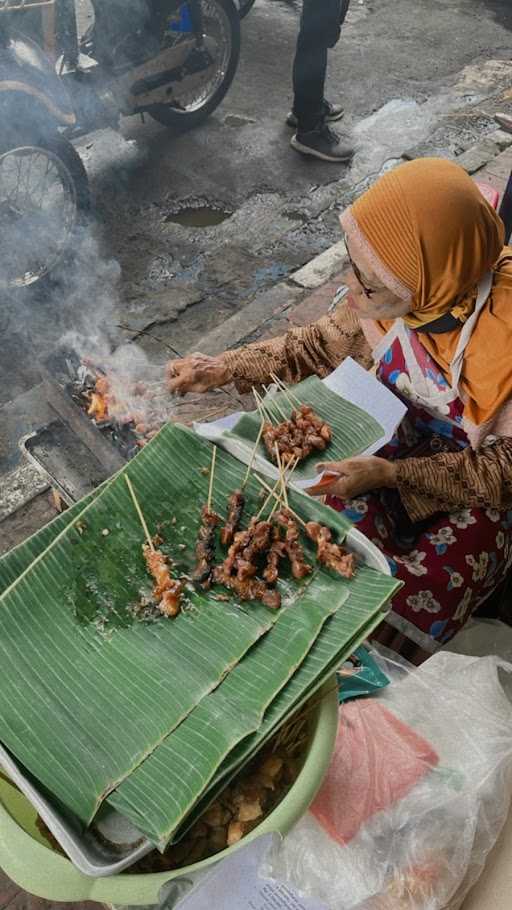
pixel 189 228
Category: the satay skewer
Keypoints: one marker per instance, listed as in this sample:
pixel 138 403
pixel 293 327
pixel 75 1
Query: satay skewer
pixel 212 472
pixel 167 591
pixel 139 513
pixel 236 501
pixel 280 500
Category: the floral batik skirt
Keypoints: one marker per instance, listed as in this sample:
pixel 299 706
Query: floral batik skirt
pixel 454 565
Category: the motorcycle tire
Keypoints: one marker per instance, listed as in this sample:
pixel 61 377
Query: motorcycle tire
pixel 245 7
pixel 180 121
pixel 72 165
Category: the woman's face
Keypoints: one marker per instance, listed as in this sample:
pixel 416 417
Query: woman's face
pixel 368 296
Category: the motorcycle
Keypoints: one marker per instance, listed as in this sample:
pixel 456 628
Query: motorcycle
pixel 170 59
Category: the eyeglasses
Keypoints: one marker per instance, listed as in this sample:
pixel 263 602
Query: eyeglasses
pixel 368 292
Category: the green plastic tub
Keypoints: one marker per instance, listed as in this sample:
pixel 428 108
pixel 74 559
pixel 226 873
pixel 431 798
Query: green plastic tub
pixel 27 859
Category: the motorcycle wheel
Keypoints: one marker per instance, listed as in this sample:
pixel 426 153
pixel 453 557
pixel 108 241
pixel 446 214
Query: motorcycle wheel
pixel 245 7
pixel 221 22
pixel 44 196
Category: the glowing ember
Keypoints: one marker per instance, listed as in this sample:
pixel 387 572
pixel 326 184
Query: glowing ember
pixel 120 401
pixel 98 407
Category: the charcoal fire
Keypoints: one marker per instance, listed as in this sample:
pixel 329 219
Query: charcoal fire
pixel 129 410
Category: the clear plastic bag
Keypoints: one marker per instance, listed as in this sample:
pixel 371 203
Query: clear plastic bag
pixel 418 791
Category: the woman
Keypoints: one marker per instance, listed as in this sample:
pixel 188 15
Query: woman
pixel 430 306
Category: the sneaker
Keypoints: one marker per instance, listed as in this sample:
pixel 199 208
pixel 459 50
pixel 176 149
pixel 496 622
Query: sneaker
pixel 332 112
pixel 322 143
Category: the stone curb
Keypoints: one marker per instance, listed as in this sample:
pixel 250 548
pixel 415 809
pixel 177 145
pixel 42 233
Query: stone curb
pixel 321 269
pixel 19 487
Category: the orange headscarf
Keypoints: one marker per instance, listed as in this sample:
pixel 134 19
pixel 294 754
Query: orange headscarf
pixel 428 228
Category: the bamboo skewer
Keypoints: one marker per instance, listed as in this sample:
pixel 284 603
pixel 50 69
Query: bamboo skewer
pixel 253 455
pixel 263 412
pixel 270 401
pixel 269 497
pixel 281 475
pixel 284 388
pixel 276 496
pixel 212 472
pixel 139 513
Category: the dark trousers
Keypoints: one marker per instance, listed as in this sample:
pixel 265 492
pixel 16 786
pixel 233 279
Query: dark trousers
pixel 320 27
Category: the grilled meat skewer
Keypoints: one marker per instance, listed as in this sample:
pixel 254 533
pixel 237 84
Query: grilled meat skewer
pixel 276 553
pixel 330 554
pixel 205 547
pixel 293 546
pixel 236 503
pixel 248 589
pixel 167 591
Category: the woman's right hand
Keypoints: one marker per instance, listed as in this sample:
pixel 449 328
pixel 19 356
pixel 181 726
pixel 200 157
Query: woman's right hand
pixel 197 373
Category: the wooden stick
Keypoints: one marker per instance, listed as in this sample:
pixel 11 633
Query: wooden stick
pixel 271 401
pixel 269 497
pixel 264 414
pixel 253 455
pixel 266 486
pixel 275 508
pixel 284 388
pixel 212 472
pixel 264 407
pixel 274 491
pixel 139 512
pixel 281 474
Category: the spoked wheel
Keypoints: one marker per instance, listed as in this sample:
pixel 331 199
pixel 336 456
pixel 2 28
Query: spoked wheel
pixel 197 95
pixel 245 7
pixel 43 196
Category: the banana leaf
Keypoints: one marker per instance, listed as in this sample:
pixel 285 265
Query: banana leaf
pixel 17 560
pixel 331 648
pixel 177 773
pixel 79 669
pixel 110 699
pixel 353 430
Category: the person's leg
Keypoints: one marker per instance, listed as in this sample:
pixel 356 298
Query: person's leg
pixel 319 30
pixel 319 26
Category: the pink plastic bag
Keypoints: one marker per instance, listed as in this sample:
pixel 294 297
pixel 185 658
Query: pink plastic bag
pixel 377 760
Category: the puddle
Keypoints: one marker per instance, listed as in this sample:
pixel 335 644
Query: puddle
pixel 199 216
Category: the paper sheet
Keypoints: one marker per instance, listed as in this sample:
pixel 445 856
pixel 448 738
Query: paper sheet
pixel 236 883
pixel 349 381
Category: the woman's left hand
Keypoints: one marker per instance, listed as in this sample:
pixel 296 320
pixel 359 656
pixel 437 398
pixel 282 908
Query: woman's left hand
pixel 355 476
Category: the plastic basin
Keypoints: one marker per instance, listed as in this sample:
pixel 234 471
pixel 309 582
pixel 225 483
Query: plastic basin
pixel 28 860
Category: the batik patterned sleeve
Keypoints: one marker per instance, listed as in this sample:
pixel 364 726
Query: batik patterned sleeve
pixel 466 479
pixel 316 349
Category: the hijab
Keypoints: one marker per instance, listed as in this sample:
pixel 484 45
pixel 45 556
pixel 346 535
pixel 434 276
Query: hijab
pixel 431 237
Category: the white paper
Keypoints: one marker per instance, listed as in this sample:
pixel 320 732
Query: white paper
pixel 235 884
pixel 351 382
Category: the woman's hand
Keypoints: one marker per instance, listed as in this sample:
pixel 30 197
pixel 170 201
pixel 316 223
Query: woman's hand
pixel 355 476
pixel 197 373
